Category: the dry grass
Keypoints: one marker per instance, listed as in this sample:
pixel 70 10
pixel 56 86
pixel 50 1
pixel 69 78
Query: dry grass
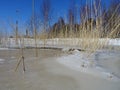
pixel 90 37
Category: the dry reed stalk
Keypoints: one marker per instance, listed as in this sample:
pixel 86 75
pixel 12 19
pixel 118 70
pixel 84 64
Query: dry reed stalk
pixel 89 36
pixel 21 58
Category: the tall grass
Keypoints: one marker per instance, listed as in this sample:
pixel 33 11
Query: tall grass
pixel 90 37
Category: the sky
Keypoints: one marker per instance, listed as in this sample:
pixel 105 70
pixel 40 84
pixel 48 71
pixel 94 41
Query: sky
pixel 8 9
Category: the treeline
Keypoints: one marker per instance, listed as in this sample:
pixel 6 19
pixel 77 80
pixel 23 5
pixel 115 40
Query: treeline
pixel 89 16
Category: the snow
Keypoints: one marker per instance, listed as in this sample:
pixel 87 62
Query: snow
pixel 65 49
pixel 55 42
pixel 77 61
pixel 6 49
pixel 12 57
pixel 3 48
pixel 115 42
pixel 2 61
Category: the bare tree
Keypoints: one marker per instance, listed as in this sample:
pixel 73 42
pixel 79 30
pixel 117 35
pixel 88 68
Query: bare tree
pixel 71 17
pixel 3 31
pixel 58 28
pixel 33 24
pixel 45 12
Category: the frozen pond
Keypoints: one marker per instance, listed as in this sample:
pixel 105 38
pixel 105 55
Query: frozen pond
pixel 46 73
pixel 109 60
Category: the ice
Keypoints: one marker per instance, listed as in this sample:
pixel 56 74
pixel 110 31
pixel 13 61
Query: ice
pixel 79 62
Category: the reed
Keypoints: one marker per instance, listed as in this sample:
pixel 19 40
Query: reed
pixel 92 34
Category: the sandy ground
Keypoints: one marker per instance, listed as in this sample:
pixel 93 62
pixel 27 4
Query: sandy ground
pixel 45 73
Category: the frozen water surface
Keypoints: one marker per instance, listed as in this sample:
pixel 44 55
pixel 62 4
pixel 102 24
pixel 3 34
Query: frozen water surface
pixel 54 70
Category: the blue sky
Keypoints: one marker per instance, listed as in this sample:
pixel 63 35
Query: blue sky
pixel 8 10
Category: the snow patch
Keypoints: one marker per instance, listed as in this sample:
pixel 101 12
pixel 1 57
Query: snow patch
pixel 3 48
pixel 78 61
pixel 65 49
pixel 2 60
pixel 12 57
pixel 56 42
pixel 6 49
pixel 115 42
